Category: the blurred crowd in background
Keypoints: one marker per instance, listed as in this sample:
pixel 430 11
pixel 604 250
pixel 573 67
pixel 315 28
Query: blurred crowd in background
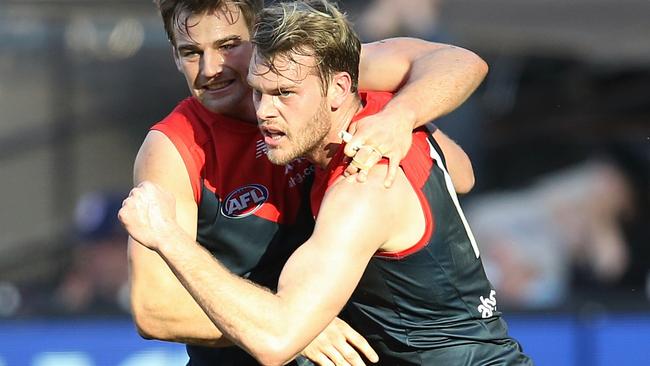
pixel 559 135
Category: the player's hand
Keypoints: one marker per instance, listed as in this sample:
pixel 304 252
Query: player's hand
pixel 374 137
pixel 339 345
pixel 148 214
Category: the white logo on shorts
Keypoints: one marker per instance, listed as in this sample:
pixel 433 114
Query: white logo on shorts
pixel 488 306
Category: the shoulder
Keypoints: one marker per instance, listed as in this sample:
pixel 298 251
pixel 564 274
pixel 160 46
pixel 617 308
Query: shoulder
pixel 156 153
pixel 369 199
pixel 183 122
pixel 365 212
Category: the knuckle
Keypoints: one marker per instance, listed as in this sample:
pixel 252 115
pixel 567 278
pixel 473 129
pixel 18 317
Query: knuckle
pixel 348 353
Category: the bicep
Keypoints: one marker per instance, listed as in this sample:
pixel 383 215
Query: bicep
pixel 159 162
pixel 385 65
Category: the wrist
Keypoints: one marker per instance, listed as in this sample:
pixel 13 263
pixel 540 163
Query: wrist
pixel 406 116
pixel 171 237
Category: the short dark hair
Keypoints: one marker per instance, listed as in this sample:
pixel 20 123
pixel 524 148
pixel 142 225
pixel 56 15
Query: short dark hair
pixel 171 11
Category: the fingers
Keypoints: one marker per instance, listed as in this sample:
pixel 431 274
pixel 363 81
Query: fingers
pixel 353 144
pixel 343 355
pixel 356 340
pixel 339 345
pixel 393 165
pixel 364 159
pixel 359 343
pixel 339 354
pixel 321 360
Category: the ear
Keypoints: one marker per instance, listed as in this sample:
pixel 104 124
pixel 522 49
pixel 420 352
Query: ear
pixel 177 59
pixel 339 89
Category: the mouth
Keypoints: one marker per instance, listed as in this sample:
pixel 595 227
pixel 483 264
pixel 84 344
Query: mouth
pixel 217 86
pixel 272 135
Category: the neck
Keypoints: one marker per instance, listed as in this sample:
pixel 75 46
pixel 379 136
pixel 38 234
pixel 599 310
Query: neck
pixel 323 153
pixel 244 112
pixel 247 115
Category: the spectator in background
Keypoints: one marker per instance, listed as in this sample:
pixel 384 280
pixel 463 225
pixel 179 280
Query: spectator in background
pixel 96 281
pixel 388 18
pixel 533 237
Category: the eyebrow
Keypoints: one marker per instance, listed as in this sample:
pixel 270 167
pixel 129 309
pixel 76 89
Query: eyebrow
pixel 233 37
pixel 191 45
pixel 279 86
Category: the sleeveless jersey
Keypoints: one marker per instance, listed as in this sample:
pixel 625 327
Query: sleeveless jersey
pixel 251 214
pixel 432 303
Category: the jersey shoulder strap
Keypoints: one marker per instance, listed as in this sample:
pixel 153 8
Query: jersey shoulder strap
pixel 431 128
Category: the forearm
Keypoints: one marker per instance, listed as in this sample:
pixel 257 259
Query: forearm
pixel 162 308
pixel 168 322
pixel 249 315
pixel 428 79
pixel 438 82
pixel 273 328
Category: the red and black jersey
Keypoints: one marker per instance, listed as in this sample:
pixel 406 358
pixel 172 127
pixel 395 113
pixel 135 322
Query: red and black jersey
pixel 431 303
pixel 251 214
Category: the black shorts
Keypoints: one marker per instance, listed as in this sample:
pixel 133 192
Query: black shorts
pixel 504 353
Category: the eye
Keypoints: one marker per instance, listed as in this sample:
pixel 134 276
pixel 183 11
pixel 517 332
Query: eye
pixel 285 93
pixel 189 53
pixel 256 95
pixel 228 46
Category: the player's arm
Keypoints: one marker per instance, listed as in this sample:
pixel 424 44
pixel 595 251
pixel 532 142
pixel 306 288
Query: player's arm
pixel 162 308
pixel 458 163
pixel 430 80
pixel 275 327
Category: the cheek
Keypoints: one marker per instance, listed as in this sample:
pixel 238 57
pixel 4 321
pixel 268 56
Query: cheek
pixel 302 118
pixel 239 60
pixel 190 70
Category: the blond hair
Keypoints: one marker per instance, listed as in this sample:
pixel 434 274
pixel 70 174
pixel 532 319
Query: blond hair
pixel 314 28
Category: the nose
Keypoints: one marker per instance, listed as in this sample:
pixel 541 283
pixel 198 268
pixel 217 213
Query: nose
pixel 212 64
pixel 264 106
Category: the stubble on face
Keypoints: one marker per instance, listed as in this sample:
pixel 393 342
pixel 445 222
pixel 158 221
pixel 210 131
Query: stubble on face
pixel 307 141
pixel 217 76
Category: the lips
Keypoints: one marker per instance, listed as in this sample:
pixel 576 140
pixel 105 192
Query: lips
pixel 272 135
pixel 217 85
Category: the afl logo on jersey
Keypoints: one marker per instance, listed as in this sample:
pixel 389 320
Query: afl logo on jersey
pixel 243 201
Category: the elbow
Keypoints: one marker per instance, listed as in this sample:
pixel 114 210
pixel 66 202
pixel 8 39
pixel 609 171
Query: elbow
pixel 473 65
pixel 270 359
pixel 146 323
pixel 462 174
pixel 276 350
pixel 144 332
pixel 143 324
pixel 482 67
pixel 465 183
pixel 477 63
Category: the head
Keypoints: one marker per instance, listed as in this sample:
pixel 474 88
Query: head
pixel 304 74
pixel 211 46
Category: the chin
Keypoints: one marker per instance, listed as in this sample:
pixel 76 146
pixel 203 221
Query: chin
pixel 278 158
